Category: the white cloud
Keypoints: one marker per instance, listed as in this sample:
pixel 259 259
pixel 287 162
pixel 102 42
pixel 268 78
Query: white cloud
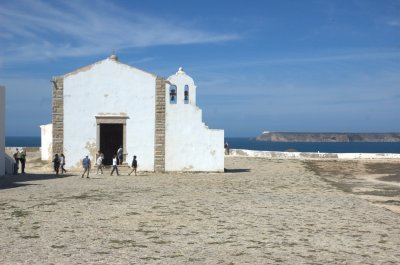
pixel 394 23
pixel 33 30
pixel 351 56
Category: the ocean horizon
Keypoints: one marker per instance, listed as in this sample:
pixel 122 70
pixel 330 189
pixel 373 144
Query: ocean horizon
pixel 251 143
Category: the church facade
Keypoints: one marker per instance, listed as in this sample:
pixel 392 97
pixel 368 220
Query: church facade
pixel 109 104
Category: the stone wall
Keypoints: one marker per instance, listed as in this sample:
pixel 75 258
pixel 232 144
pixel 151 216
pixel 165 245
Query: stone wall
pixel 58 115
pixel 159 147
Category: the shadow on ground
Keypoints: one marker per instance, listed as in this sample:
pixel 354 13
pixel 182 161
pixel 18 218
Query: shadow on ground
pixel 15 181
pixel 236 170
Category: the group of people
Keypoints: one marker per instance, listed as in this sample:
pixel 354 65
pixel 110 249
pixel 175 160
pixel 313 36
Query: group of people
pixel 59 161
pixel 117 160
pixel 20 158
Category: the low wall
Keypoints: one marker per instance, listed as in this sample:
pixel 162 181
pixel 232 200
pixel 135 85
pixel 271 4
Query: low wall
pixel 2 129
pixel 12 149
pixel 309 155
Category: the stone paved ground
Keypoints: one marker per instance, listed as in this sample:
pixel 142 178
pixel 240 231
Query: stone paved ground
pixel 261 212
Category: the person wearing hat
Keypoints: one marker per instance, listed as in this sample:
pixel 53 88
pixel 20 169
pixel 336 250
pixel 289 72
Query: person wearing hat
pixel 86 166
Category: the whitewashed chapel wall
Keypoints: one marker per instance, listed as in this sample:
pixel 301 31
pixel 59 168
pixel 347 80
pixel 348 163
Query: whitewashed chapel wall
pixel 46 133
pixel 189 144
pixel 109 88
pixel 2 129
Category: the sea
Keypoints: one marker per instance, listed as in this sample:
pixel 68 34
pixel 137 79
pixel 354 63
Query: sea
pixel 252 144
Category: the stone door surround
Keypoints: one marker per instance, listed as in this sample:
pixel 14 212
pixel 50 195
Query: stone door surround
pixel 112 119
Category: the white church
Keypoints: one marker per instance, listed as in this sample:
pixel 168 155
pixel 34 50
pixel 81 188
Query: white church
pixel 109 104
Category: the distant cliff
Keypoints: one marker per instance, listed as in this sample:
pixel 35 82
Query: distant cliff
pixel 328 137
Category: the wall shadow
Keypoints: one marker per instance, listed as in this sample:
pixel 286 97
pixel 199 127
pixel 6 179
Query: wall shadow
pixel 236 170
pixel 15 181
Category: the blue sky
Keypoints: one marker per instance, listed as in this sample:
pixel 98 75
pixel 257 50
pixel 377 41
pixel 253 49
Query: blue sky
pixel 300 66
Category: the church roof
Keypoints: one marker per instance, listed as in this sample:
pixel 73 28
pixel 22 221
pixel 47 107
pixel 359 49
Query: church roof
pixel 113 58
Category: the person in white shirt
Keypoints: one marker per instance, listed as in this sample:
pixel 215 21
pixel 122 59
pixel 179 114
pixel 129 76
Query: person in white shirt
pixel 62 162
pixel 114 166
pixel 99 163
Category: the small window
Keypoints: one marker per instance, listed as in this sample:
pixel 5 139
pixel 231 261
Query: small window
pixel 172 94
pixel 186 94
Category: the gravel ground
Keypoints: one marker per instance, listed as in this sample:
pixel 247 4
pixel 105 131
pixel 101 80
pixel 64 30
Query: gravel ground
pixel 262 211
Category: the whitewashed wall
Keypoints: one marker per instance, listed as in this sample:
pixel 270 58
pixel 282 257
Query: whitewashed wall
pixel 311 155
pixel 189 144
pixel 46 139
pixel 109 88
pixel 2 129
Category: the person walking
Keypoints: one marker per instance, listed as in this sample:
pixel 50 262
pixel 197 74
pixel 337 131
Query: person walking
pixel 114 166
pixel 17 156
pixel 86 163
pixel 120 155
pixel 99 153
pixel 22 159
pixel 15 164
pixel 99 163
pixel 226 146
pixel 56 163
pixel 134 166
pixel 62 162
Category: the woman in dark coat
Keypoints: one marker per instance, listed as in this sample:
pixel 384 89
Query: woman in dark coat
pixel 56 162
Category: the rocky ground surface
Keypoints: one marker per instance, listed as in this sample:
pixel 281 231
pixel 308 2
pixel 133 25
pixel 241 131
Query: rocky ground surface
pixel 262 211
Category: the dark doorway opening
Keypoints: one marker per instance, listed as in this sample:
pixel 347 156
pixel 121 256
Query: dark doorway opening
pixel 111 136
